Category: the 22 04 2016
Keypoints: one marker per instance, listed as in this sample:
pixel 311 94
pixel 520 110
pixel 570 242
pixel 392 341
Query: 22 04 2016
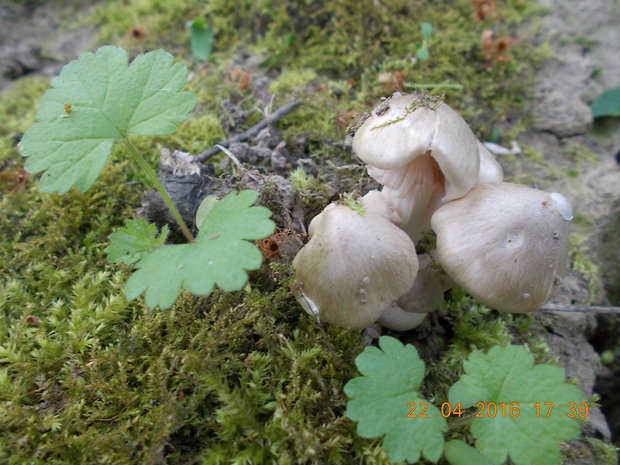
pixel 503 409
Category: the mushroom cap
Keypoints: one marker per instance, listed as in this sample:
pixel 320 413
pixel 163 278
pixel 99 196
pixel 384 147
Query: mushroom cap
pixel 490 169
pixel 406 126
pixel 505 244
pixel 354 266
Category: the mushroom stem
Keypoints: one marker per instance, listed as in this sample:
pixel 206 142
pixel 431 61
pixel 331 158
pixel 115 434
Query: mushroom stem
pixel 410 195
pixel 397 319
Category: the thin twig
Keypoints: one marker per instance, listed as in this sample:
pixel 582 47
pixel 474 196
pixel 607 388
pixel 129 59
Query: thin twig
pixel 252 132
pixel 579 308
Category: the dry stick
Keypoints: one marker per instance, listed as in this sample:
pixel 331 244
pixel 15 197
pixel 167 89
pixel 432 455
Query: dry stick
pixel 252 132
pixel 579 308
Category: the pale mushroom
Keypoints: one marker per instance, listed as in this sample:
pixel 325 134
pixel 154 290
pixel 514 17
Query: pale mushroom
pixel 417 192
pixel 397 319
pixel 425 296
pixel 423 153
pixel 505 244
pixel 490 169
pixel 354 266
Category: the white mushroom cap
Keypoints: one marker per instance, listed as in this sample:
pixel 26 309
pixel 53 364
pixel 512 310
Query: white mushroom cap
pixel 405 127
pixel 490 169
pixel 505 244
pixel 354 266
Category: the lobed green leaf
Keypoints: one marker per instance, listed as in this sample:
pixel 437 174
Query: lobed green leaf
pixel 134 241
pixel 221 254
pixel 508 375
pixel 96 100
pixel 380 402
pixel 607 104
pixel 459 453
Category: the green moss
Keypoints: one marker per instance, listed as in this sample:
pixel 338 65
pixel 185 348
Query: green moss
pixel 353 202
pixel 242 373
pixel 588 451
pixel 292 81
pixel 604 453
pixel 88 378
pixel 312 191
pixel 580 262
pixel 354 43
pixel 197 134
pixel 580 156
pixel 579 153
pixel 18 105
pixel 161 23
pixel 475 327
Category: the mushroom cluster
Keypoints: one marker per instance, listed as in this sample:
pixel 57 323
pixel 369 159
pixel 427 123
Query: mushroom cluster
pixel 505 244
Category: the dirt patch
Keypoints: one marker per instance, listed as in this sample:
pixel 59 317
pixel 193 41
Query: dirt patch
pixel 38 38
pixel 583 38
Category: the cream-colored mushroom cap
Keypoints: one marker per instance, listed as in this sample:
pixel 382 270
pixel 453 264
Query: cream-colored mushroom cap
pixel 490 169
pixel 406 126
pixel 505 244
pixel 354 266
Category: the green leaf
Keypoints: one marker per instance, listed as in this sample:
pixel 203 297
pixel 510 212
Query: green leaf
pixel 201 38
pixel 203 210
pixel 220 255
pixel 508 375
pixel 380 402
pixel 422 54
pixel 95 101
pixel 459 453
pixel 427 30
pixel 136 239
pixel 607 104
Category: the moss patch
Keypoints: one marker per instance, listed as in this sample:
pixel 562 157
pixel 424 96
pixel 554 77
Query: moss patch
pixel 349 46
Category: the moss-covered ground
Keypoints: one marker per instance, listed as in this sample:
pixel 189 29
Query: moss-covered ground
pixel 232 378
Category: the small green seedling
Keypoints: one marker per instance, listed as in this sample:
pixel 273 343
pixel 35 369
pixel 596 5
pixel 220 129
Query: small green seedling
pixel 427 31
pixel 510 407
pixel 607 104
pixel 201 38
pixel 100 99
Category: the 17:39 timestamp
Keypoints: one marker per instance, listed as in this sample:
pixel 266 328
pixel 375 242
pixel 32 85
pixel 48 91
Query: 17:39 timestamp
pixel 503 409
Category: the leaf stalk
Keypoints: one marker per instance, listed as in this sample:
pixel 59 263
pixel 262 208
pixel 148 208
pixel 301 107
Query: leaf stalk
pixel 160 188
